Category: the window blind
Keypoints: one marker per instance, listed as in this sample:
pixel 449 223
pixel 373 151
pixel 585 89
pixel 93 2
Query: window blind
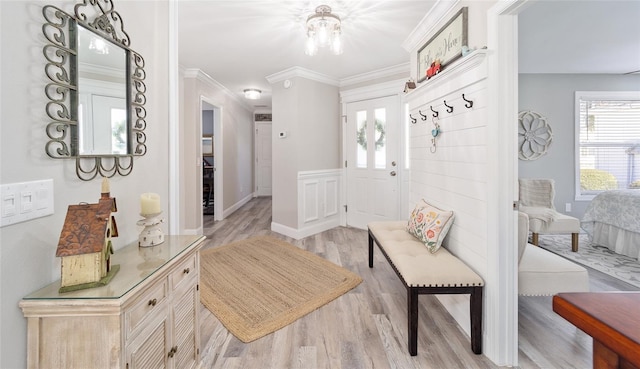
pixel 609 139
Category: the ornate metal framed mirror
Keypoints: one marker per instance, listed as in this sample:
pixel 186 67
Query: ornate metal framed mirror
pixel 96 90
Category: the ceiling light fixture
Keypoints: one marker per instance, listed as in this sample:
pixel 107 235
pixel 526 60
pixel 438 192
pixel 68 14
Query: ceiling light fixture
pixel 323 29
pixel 252 93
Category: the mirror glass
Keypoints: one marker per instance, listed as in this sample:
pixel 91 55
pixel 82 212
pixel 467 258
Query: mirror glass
pixel 102 95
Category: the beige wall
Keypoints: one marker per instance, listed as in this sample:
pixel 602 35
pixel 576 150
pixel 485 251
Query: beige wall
pixel 308 112
pixel 27 250
pixel 237 143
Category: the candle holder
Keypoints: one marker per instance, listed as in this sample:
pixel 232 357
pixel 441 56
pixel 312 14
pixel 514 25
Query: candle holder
pixel 152 234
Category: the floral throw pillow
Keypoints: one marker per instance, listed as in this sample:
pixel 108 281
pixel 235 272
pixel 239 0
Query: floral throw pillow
pixel 429 224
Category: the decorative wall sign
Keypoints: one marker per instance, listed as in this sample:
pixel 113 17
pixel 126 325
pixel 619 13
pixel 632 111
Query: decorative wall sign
pixel 534 135
pixel 445 45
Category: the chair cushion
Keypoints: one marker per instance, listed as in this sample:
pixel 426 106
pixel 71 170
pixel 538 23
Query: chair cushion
pixel 543 273
pixel 429 224
pixel 561 224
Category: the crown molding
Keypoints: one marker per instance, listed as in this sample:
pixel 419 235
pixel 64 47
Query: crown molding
pixel 203 77
pixel 376 74
pixel 303 73
pixel 389 88
pixel 428 23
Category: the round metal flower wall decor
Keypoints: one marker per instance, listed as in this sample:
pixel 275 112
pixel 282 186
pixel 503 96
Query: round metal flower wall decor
pixel 534 135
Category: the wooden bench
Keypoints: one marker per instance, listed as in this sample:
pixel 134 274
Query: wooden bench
pixel 425 273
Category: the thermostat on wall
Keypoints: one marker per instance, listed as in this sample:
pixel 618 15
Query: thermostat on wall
pixel 282 134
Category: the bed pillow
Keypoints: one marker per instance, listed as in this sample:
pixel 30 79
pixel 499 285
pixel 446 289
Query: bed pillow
pixel 429 224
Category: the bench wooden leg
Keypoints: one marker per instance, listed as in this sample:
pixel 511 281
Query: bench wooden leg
pixel 412 318
pixel 534 238
pixel 574 242
pixel 370 251
pixel 476 320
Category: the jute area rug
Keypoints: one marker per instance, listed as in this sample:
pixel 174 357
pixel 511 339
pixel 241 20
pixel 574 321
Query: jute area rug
pixel 259 285
pixel 594 256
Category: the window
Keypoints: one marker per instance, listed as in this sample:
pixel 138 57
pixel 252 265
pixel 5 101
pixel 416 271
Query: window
pixel 607 142
pixel 380 137
pixel 361 136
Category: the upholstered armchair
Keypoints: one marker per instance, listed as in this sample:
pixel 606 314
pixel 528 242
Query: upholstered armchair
pixel 536 200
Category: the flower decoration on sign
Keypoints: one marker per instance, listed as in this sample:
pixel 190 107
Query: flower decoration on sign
pixel 534 135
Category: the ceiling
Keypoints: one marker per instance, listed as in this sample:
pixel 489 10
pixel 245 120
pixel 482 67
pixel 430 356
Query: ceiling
pixel 239 43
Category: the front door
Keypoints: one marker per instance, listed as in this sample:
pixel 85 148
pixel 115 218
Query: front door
pixel 372 160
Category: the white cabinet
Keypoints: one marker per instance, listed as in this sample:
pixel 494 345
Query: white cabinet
pixel 146 317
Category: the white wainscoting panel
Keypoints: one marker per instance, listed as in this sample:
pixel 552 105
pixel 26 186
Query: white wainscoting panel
pixel 318 201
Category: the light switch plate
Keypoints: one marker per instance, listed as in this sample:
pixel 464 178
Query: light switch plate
pixel 24 201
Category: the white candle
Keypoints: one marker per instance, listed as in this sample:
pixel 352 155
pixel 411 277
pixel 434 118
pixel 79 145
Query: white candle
pixel 149 203
pixel 105 185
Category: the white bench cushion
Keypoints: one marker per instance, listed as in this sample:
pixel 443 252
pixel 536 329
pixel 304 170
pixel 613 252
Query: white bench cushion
pixel 543 273
pixel 416 264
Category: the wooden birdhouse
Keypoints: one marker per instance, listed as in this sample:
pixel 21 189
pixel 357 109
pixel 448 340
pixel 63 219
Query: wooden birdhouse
pixel 85 245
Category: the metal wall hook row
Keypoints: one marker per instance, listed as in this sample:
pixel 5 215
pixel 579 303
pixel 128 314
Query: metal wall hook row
pixel 413 120
pixel 469 103
pixel 435 113
pixel 424 117
pixel 449 107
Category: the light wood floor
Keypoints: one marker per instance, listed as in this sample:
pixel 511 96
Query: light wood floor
pixel 366 328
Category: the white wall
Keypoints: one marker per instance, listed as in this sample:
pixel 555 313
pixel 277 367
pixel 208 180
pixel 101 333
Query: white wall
pixel 553 96
pixel 237 143
pixel 473 172
pixel 454 175
pixel 27 250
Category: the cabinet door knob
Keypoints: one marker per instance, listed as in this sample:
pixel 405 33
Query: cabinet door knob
pixel 186 271
pixel 173 351
pixel 153 302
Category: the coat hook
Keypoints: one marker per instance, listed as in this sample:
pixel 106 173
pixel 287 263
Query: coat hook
pixel 449 108
pixel 469 103
pixel 435 113
pixel 434 133
pixel 413 120
pixel 424 117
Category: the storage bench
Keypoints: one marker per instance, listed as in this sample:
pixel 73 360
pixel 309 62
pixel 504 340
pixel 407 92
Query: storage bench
pixel 425 273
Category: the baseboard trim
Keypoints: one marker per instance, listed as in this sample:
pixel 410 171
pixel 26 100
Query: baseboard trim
pixel 193 232
pixel 307 231
pixel 232 209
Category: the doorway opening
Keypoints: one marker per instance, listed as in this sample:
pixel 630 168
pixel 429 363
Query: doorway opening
pixel 211 151
pixel 208 160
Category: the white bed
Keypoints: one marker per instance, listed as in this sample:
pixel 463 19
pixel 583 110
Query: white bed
pixel 612 220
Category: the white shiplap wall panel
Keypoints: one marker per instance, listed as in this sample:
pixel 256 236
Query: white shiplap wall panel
pixel 454 176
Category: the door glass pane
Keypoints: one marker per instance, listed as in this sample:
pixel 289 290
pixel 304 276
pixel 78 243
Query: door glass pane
pixel 361 138
pixel 380 137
